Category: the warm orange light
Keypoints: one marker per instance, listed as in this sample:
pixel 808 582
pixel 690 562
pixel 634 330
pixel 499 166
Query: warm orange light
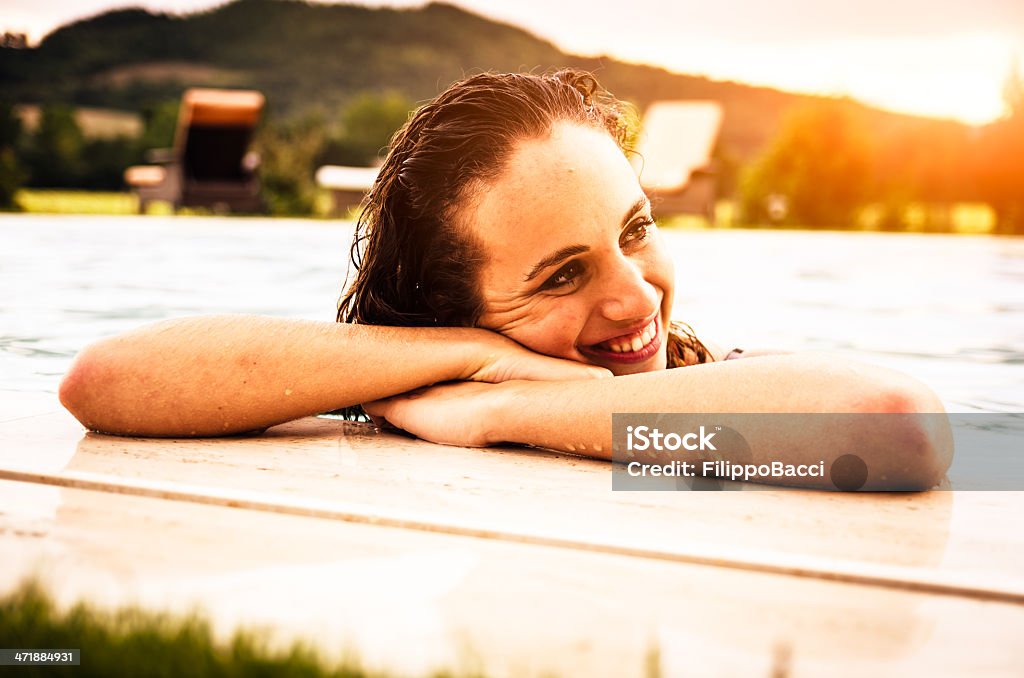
pixel 954 76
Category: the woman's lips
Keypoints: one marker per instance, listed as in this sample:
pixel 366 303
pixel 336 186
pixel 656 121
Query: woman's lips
pixel 621 349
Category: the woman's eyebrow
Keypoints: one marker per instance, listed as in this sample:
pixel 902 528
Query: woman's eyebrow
pixel 643 202
pixel 561 255
pixel 555 258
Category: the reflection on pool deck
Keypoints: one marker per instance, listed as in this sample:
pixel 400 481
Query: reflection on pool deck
pixel 513 561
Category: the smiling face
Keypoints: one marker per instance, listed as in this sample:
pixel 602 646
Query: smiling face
pixel 574 266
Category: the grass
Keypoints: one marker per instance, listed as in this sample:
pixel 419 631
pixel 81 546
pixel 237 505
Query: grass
pixel 76 202
pixel 134 642
pixel 47 201
pixel 964 217
pixel 976 218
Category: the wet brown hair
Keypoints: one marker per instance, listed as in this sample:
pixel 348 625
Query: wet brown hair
pixel 416 264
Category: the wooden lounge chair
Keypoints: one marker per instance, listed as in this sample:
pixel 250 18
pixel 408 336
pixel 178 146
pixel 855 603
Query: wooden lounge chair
pixel 674 162
pixel 210 164
pixel 348 185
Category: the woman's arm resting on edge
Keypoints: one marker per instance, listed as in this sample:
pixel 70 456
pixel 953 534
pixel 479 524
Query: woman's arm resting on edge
pixel 907 453
pixel 218 375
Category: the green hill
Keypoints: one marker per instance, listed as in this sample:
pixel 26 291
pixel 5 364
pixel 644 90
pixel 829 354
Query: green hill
pixel 304 56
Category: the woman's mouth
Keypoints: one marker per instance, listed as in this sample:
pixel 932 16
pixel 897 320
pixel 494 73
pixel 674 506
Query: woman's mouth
pixel 629 348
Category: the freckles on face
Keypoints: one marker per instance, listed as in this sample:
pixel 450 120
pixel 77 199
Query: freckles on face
pixel 573 265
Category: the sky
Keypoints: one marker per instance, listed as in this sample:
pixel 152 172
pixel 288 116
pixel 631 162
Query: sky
pixel 942 58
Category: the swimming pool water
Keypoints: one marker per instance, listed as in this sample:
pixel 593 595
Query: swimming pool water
pixel 947 309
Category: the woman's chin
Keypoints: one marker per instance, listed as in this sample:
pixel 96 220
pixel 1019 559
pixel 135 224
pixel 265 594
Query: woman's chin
pixel 652 366
pixel 656 362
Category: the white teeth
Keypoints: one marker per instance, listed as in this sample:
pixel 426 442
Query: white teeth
pixel 635 344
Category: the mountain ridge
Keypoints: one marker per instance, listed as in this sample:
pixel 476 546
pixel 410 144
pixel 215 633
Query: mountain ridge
pixel 305 56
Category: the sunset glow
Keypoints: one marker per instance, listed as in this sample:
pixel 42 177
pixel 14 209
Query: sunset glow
pixel 958 77
pixel 903 55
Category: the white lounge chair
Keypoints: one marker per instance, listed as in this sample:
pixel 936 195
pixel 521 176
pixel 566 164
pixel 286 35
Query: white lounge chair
pixel 675 166
pixel 348 185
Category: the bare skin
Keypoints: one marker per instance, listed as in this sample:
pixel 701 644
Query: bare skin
pixel 223 375
pixel 580 288
pixel 901 452
pixel 583 276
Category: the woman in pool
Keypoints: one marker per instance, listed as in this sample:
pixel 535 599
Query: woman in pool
pixel 511 287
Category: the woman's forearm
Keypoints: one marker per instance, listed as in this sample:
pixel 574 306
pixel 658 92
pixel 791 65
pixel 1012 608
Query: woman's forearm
pixel 909 452
pixel 219 375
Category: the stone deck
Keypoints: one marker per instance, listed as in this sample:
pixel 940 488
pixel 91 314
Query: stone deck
pixel 516 562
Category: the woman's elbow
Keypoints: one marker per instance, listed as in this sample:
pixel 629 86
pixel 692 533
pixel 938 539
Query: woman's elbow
pixel 81 385
pixel 916 441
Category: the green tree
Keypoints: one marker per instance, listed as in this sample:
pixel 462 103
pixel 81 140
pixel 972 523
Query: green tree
pixel 288 152
pixel 1000 167
pixel 56 154
pixel 368 122
pixel 814 173
pixel 159 125
pixel 107 159
pixel 12 174
pixel 922 162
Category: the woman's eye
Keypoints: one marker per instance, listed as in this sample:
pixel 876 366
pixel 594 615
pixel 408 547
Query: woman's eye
pixel 565 276
pixel 637 231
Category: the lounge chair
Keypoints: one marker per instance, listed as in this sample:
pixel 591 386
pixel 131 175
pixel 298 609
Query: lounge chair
pixel 674 162
pixel 348 185
pixel 210 164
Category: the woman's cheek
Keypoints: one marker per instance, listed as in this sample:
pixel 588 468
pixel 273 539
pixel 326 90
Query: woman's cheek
pixel 564 327
pixel 661 260
pixel 661 271
pixel 554 333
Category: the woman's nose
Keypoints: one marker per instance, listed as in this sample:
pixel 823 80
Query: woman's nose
pixel 625 293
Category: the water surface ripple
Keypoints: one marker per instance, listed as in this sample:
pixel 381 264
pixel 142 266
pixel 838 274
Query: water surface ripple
pixel 947 309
